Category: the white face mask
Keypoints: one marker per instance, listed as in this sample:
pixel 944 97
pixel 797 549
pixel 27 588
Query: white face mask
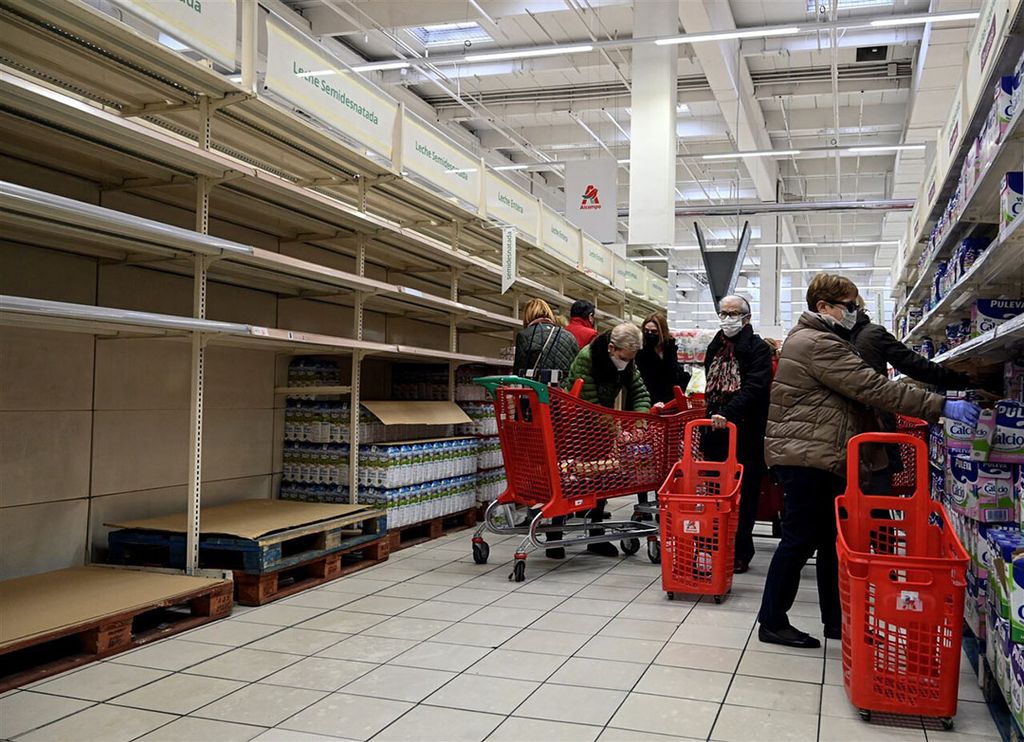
pixel 849 319
pixel 620 365
pixel 731 326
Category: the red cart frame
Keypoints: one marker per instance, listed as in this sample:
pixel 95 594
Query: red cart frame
pixel 563 455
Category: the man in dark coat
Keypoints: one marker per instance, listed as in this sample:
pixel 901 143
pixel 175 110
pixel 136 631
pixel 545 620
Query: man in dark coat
pixel 879 349
pixel 738 366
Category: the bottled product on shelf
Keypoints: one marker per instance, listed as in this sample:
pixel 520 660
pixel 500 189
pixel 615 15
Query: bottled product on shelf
pixel 490 485
pixel 483 421
pixel 406 506
pixel 387 466
pixel 416 381
pixel 305 371
pixel 488 454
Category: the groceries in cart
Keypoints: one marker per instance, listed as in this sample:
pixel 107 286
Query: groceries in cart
pixel 699 513
pixel 902 577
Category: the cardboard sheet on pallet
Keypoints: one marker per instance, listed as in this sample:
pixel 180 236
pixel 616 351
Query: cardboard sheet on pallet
pixel 40 604
pixel 417 413
pixel 247 518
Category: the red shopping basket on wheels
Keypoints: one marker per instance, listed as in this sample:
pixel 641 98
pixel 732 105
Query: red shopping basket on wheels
pixel 901 586
pixel 698 506
pixel 564 454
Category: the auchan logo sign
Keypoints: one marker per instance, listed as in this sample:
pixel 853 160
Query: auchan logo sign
pixel 590 199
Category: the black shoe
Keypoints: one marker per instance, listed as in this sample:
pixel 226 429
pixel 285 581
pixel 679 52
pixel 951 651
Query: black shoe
pixel 740 567
pixel 603 549
pixel 788 637
pixel 834 632
pixel 556 553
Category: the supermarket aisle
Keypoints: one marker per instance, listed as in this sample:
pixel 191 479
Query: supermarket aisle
pixel 430 646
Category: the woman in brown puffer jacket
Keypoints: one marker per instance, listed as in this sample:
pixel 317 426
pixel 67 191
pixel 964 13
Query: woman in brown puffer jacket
pixel 822 396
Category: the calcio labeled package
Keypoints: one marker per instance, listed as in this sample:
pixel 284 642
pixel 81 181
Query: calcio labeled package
pixel 980 490
pixel 1008 440
pixel 987 314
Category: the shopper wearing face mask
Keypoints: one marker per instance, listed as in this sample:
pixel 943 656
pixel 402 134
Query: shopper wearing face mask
pixel 738 366
pixel 658 360
pixel 822 396
pixel 607 369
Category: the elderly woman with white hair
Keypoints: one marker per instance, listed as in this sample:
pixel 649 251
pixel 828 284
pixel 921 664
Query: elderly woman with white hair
pixel 607 368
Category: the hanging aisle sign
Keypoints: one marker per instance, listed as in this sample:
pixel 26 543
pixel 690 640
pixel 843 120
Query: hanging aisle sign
pixel 560 238
pixel 208 26
pixel 321 86
pixel 591 190
pixel 508 204
pixel 427 155
pixel 598 260
pixel 508 258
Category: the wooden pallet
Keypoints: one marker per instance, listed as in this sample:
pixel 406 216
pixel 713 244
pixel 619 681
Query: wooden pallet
pixel 53 651
pixel 274 552
pixel 259 589
pixel 418 533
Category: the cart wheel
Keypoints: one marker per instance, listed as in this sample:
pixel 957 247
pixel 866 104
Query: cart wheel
pixel 865 715
pixel 947 723
pixel 671 596
pixel 654 551
pixel 630 546
pixel 481 551
pixel 518 571
pixel 637 517
pixel 718 599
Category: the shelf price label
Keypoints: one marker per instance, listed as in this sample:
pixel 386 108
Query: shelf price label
pixel 321 86
pixel 508 258
pixel 208 26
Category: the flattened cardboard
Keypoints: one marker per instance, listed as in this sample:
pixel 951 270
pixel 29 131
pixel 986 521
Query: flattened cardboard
pixel 245 518
pixel 40 604
pixel 417 413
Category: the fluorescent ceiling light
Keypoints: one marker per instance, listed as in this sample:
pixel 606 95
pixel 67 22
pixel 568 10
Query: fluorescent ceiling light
pixel 888 148
pixel 752 33
pixel 378 66
pixel 622 162
pixel 812 5
pixel 755 153
pixel 450 34
pixel 511 167
pixel 914 20
pixel 524 53
pixel 789 244
pixel 876 243
pixel 650 259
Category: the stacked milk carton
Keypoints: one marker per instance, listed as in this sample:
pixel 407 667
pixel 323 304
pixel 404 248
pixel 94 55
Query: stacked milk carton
pixel 983 490
pixel 419 502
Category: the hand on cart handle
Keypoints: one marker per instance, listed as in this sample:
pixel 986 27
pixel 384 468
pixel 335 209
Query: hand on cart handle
pixel 718 422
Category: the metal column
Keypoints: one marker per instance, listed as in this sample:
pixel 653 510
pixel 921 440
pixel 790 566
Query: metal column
pixel 195 473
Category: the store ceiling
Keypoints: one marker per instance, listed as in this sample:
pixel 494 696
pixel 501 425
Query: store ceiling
pixel 527 110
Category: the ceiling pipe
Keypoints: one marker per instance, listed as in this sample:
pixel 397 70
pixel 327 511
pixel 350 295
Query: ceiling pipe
pixel 892 204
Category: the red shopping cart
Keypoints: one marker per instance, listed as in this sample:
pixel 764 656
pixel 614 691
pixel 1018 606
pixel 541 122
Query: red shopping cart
pixel 699 507
pixel 562 455
pixel 901 586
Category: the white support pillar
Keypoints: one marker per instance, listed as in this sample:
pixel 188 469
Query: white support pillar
pixel 652 149
pixel 769 279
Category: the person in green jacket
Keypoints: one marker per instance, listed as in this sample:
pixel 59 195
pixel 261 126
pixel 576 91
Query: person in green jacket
pixel 607 368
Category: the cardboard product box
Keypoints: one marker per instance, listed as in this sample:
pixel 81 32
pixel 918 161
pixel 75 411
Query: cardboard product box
pixel 1001 545
pixel 987 314
pixel 1004 100
pixel 973 610
pixel 1016 585
pixel 1011 199
pixel 999 638
pixel 1017 683
pixel 1018 494
pixel 1008 441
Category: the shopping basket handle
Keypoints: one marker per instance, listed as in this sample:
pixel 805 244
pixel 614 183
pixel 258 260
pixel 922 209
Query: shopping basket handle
pixel 920 454
pixel 491 384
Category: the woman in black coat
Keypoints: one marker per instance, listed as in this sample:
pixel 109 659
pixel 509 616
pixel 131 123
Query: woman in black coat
pixel 658 360
pixel 658 363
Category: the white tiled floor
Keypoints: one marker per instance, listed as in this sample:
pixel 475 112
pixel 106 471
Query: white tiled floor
pixel 429 646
